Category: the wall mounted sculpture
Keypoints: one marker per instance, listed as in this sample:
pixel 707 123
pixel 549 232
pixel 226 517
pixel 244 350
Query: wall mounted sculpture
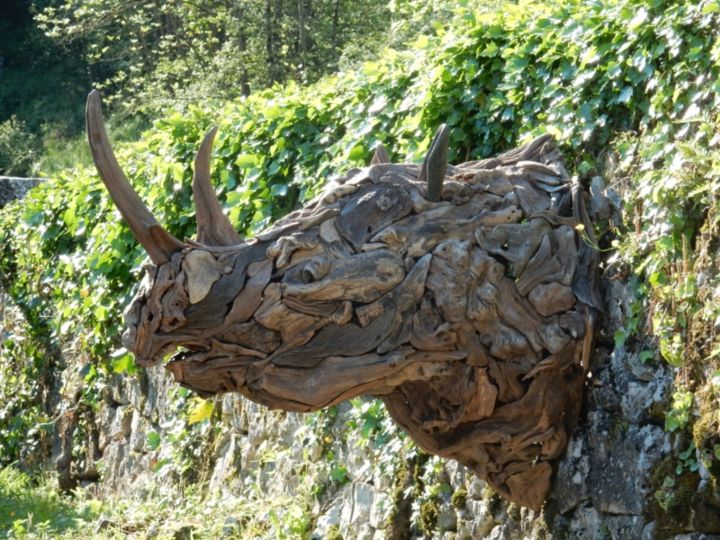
pixel 463 296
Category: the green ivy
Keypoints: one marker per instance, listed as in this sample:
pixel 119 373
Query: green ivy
pixel 634 80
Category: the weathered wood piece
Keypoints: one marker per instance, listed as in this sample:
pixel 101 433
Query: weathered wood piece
pixel 462 295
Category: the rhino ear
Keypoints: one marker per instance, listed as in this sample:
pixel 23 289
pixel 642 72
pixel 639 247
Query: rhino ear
pixel 213 226
pixel 435 164
pixel 159 244
pixel 380 156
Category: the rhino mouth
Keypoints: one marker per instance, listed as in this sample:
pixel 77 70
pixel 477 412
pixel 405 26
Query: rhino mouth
pixel 182 355
pixel 191 369
pixel 187 351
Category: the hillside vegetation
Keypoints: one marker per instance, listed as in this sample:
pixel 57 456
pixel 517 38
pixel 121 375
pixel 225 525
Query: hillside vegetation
pixel 147 55
pixel 630 90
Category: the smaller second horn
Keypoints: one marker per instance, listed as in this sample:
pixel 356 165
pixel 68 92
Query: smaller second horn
pixel 213 226
pixel 434 166
pixel 380 156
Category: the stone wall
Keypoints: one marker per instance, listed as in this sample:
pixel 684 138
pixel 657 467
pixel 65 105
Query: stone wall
pixel 12 188
pixel 605 485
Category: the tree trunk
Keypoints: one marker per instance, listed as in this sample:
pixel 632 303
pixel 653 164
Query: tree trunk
pixel 336 27
pixel 269 41
pixel 238 15
pixel 301 35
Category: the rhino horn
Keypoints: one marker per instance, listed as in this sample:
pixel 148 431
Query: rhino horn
pixel 435 164
pixel 380 156
pixel 213 226
pixel 159 244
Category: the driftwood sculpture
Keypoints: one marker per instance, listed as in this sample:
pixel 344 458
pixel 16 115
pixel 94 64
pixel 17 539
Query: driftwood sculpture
pixel 463 296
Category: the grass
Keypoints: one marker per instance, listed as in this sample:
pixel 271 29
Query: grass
pixel 32 509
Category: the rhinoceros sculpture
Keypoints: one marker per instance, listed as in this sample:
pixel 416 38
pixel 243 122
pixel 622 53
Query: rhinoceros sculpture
pixel 462 296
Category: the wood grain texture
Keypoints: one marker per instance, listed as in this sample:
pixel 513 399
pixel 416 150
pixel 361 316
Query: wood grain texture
pixel 469 312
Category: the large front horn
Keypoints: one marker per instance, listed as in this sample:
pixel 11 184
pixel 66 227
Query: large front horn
pixel 213 226
pixel 159 244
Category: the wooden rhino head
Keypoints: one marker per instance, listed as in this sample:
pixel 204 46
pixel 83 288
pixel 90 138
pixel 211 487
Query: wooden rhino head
pixel 463 296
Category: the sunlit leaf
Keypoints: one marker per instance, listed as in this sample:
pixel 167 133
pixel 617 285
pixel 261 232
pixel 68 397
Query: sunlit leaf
pixel 201 410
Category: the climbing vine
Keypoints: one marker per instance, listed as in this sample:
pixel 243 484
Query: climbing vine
pixel 628 88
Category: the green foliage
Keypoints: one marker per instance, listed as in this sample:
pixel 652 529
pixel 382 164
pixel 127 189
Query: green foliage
pixel 25 377
pixel 665 495
pixel 184 440
pixel 290 522
pixel 29 511
pixel 428 516
pixel 680 410
pixel 61 152
pixel 148 56
pixel 32 509
pixel 17 148
pixel 339 474
pixel 201 410
pixel 620 81
pixel 371 421
pixel 333 533
pixel 495 79
pixel 687 460
pixel 459 498
pixel 42 81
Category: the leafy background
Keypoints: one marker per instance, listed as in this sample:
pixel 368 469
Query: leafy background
pixel 629 88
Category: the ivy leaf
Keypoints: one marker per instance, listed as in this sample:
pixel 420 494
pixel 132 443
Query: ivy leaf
pixel 201 410
pixel 247 161
pixel 490 49
pixel 640 17
pixel 123 362
pixel 153 440
pixel 357 152
pixel 620 337
pixel 625 94
pixel 671 423
pixel 339 474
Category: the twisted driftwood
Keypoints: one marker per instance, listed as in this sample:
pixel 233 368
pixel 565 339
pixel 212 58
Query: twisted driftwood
pixel 463 296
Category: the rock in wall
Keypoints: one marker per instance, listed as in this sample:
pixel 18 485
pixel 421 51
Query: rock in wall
pixel 12 188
